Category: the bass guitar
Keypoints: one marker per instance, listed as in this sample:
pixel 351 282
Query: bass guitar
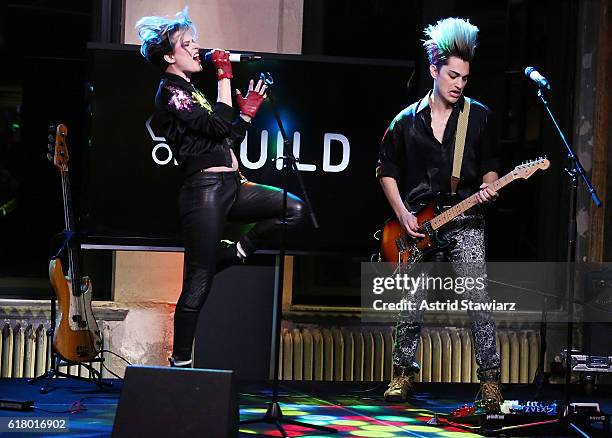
pixel 77 336
pixel 399 247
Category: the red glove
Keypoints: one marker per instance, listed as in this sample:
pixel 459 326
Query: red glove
pixel 223 67
pixel 250 104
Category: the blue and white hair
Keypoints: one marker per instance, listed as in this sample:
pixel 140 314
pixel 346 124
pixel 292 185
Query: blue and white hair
pixel 159 34
pixel 450 37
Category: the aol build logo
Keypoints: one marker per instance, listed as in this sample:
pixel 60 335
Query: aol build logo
pixel 162 154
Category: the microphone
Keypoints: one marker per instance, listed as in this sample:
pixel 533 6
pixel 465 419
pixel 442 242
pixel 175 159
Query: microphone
pixel 234 57
pixel 536 77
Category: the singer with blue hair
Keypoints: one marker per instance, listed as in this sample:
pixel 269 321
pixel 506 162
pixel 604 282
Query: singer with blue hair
pixel 203 136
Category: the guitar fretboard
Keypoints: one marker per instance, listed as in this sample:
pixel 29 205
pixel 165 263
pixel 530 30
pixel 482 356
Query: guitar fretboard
pixel 71 247
pixel 450 214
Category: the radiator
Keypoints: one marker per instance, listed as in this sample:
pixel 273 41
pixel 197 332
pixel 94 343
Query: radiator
pixel 25 351
pixel 445 355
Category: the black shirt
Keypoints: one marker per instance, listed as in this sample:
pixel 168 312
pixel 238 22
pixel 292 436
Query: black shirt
pixel 199 134
pixel 422 166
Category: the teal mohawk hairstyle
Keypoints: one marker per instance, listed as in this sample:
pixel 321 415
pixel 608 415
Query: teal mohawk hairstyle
pixel 450 37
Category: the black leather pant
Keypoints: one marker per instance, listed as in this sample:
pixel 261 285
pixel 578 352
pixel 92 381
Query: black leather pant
pixel 206 201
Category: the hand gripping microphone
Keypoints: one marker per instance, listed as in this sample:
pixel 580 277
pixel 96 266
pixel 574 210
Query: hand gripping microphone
pixel 234 57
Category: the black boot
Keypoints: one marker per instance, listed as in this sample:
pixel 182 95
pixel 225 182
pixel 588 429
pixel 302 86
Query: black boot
pixel 227 256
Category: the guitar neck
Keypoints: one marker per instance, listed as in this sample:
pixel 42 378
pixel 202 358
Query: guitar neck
pixel 450 214
pixel 71 248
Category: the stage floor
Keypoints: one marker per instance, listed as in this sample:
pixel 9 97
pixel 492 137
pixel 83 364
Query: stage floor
pixel 355 410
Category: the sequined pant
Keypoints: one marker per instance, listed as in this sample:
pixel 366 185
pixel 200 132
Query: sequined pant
pixel 206 201
pixel 467 257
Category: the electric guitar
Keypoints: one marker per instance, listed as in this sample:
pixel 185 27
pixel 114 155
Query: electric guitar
pixel 77 336
pixel 397 246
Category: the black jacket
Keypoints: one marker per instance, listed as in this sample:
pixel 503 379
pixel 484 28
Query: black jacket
pixel 199 134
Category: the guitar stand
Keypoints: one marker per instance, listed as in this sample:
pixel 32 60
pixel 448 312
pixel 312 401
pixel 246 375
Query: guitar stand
pixel 54 371
pixel 57 361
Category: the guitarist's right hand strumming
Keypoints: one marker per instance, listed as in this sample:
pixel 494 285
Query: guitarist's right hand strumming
pixel 408 221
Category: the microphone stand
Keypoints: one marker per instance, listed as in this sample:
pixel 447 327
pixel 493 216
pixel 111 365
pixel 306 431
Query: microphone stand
pixel 574 170
pixel 539 379
pixel 274 414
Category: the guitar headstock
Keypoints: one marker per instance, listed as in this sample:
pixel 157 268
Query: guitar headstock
pixel 58 150
pixel 528 168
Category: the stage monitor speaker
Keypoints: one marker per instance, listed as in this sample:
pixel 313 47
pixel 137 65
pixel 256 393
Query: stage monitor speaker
pixel 177 402
pixel 236 326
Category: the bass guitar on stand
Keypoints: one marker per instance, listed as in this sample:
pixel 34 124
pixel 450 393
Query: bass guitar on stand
pixel 77 336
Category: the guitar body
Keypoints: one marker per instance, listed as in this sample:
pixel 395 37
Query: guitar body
pixel 398 247
pixel 75 339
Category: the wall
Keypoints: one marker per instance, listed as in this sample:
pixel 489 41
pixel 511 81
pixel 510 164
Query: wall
pixel 148 284
pixel 261 26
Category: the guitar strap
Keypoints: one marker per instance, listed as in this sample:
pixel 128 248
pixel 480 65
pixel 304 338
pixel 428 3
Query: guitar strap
pixel 462 124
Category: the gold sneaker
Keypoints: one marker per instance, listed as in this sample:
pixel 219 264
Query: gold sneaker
pixel 491 391
pixel 399 387
pixel 491 396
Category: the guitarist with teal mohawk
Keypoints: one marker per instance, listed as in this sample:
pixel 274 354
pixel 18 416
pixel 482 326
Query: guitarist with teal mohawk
pixel 444 144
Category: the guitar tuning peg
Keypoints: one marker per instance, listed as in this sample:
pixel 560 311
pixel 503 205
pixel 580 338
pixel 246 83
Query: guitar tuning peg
pixel 51 138
pixel 50 147
pixel 50 157
pixel 52 128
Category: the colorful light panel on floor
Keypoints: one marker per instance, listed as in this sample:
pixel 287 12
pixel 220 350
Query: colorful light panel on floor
pixel 353 420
